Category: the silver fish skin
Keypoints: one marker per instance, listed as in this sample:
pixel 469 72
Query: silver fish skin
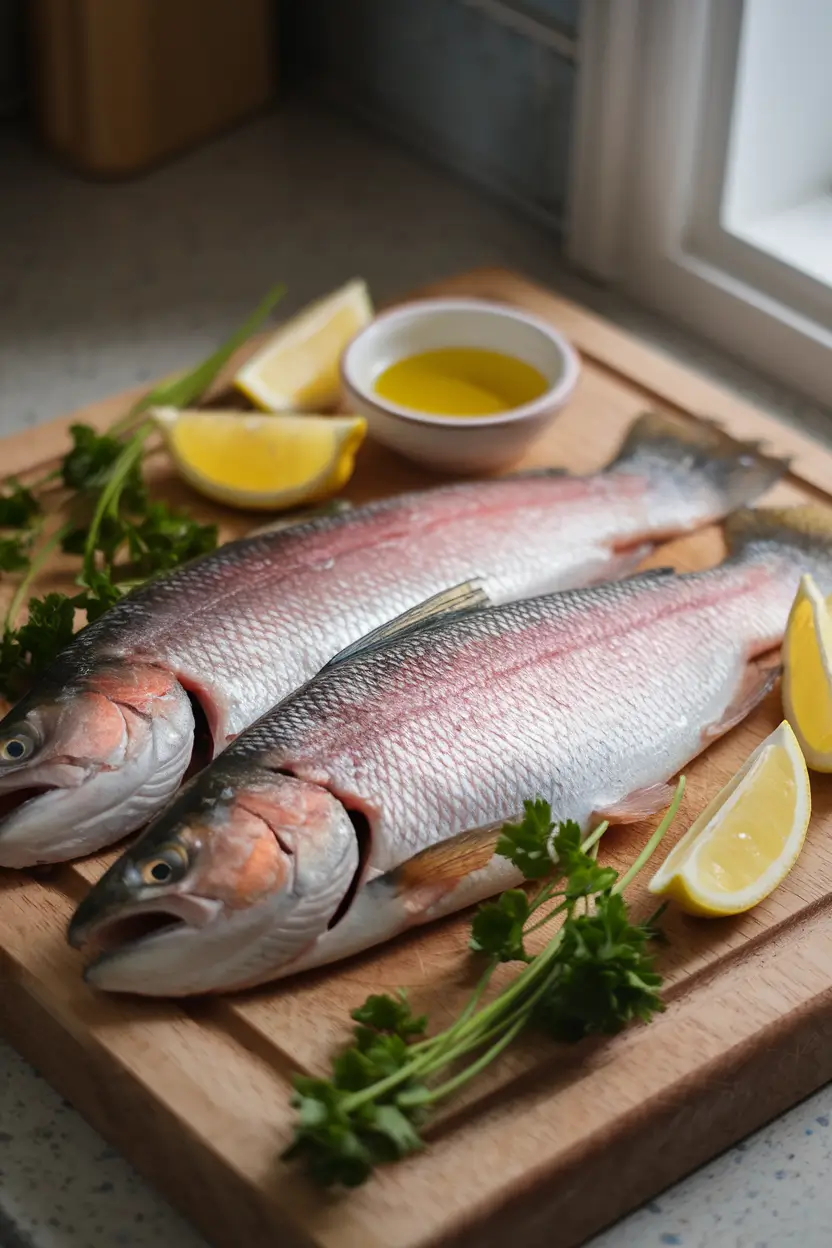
pixel 592 699
pixel 236 631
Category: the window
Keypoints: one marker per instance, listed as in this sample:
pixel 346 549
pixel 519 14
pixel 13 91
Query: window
pixel 702 178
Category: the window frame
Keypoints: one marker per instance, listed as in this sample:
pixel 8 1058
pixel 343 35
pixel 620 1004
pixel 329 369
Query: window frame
pixel 655 91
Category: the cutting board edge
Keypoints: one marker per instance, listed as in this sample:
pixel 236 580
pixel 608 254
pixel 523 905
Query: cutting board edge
pixel 794 1029
pixel 581 1193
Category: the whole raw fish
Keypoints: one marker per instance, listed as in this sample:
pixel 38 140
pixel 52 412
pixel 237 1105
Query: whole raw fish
pixel 368 800
pixel 106 736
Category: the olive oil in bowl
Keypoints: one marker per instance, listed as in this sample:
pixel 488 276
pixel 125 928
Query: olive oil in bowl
pixel 460 381
pixel 458 385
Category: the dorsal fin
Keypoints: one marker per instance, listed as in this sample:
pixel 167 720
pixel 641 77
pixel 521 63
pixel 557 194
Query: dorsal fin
pixel 449 604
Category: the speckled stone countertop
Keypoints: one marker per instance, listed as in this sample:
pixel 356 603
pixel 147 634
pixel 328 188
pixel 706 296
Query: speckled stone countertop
pixel 106 286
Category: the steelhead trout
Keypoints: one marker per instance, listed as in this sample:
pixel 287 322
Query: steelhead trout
pixel 370 799
pixel 105 737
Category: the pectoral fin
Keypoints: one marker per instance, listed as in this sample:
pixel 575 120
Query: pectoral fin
pixel 425 878
pixel 437 881
pixel 757 682
pixel 640 804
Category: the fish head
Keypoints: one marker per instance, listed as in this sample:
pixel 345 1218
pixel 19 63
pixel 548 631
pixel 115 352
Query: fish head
pixel 87 757
pixel 232 883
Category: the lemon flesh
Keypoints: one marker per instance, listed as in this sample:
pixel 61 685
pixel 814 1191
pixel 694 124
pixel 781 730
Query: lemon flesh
pixel 747 839
pixel 807 674
pixel 262 462
pixel 298 368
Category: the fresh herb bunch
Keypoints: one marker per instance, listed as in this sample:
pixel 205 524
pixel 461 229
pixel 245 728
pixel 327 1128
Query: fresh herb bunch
pixel 121 535
pixel 20 519
pixel 594 976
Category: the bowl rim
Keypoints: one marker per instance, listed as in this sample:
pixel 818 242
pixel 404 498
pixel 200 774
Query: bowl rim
pixel 554 397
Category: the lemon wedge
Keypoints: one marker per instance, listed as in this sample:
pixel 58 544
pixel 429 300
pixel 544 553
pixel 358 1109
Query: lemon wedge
pixel 807 674
pixel 261 462
pixel 298 366
pixel 747 839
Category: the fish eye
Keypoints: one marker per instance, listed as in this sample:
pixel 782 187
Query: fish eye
pixel 165 867
pixel 16 749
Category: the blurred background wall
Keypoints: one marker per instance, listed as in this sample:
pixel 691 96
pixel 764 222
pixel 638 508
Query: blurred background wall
pixel 13 57
pixel 485 87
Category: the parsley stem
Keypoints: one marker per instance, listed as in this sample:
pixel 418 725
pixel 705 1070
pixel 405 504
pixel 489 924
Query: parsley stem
pixel 531 972
pixel 376 1090
pixel 472 1029
pixel 182 389
pixel 436 1043
pixel 451 1085
pixel 595 836
pixel 545 894
pixel 31 572
pixel 654 842
pixel 122 467
pixel 547 918
pixel 520 1013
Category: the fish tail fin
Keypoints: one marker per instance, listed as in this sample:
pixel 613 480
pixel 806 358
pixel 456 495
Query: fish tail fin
pixel 699 462
pixel 804 533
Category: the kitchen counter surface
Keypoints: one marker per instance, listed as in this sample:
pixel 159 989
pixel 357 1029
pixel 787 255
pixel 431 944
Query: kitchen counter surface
pixel 107 286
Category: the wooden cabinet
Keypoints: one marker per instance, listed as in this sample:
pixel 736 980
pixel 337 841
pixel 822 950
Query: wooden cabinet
pixel 120 85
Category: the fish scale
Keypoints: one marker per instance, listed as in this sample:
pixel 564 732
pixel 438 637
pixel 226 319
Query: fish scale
pixel 238 630
pixel 579 697
pixel 282 601
pixel 438 730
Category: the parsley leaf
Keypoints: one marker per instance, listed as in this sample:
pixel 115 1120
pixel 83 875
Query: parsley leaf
pixel 526 844
pixel 48 629
pixel 18 506
pixel 325 1139
pixel 341 1135
pixel 385 1013
pixel 497 927
pixel 603 977
pixel 112 524
pixel 12 664
pixel 36 643
pixel 592 977
pixel 584 877
pixel 101 594
pixel 340 1143
pixel 14 554
pixel 371 1058
pixel 89 462
pixel 166 538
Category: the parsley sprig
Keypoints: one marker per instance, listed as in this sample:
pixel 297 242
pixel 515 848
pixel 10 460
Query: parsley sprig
pixel 594 976
pixel 121 535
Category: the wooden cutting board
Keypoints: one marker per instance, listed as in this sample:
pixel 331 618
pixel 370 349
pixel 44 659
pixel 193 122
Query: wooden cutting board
pixel 552 1143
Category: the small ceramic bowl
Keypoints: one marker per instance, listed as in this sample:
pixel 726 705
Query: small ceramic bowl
pixel 452 444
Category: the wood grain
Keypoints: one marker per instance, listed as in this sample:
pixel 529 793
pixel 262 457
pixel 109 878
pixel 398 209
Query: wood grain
pixel 549 1145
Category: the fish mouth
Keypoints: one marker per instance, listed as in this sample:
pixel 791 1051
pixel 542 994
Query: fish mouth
pixel 186 944
pixel 32 806
pixel 130 932
pixel 70 807
pixel 115 939
pixel 116 932
pixel 12 801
